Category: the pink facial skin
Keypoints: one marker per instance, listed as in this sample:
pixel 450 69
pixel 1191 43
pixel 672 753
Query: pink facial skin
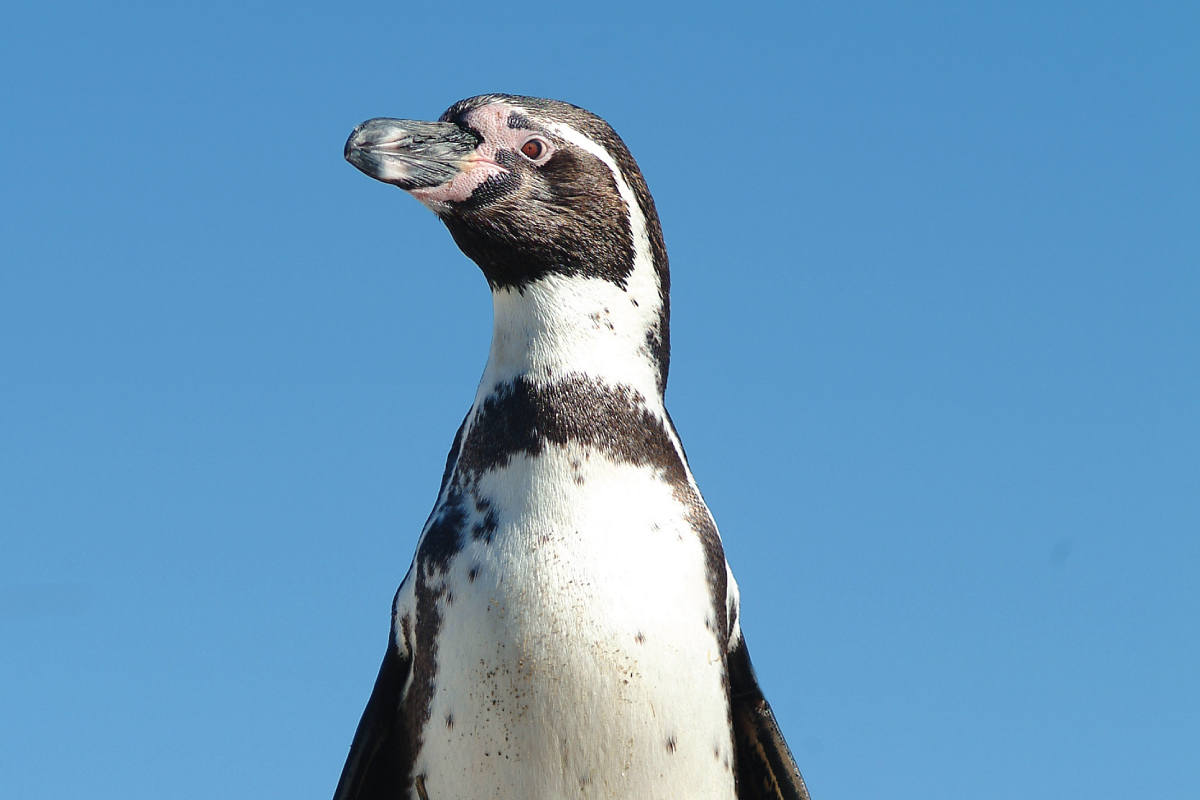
pixel 492 124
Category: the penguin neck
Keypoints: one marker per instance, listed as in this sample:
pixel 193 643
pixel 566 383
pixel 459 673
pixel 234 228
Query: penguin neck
pixel 561 327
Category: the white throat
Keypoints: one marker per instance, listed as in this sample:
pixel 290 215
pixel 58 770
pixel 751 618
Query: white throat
pixel 572 325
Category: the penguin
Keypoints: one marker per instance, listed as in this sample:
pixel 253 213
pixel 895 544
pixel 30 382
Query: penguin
pixel 569 626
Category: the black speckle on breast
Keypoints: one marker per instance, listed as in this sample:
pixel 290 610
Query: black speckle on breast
pixel 523 417
pixel 486 527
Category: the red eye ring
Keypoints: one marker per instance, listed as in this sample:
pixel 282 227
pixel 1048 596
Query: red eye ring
pixel 533 149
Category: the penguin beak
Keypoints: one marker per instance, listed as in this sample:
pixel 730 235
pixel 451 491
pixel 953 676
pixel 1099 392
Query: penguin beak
pixel 411 154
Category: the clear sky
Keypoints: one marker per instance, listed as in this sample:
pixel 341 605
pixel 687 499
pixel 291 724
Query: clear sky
pixel 937 368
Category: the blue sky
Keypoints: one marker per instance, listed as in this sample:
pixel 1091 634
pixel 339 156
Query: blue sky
pixel 937 366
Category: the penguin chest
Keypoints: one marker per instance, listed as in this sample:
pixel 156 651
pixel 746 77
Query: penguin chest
pixel 579 650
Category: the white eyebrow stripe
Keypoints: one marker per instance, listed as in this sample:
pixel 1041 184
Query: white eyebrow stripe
pixel 643 260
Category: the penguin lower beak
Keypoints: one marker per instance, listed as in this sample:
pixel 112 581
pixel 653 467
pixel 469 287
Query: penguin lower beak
pixel 410 154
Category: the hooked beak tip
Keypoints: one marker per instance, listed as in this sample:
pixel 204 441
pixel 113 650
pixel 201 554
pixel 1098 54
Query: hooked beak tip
pixel 408 153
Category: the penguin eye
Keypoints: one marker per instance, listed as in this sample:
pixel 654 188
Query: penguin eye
pixel 533 149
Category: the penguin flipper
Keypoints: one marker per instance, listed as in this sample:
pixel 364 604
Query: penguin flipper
pixel 377 765
pixel 766 769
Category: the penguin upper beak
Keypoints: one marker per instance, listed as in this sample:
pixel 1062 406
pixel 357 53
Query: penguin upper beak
pixel 410 154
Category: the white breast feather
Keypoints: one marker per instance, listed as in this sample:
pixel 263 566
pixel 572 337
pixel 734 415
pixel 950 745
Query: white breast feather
pixel 580 661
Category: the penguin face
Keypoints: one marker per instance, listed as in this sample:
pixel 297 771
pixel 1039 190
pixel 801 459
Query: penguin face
pixel 527 187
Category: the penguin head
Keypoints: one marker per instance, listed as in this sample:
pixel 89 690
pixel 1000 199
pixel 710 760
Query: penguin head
pixel 528 187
